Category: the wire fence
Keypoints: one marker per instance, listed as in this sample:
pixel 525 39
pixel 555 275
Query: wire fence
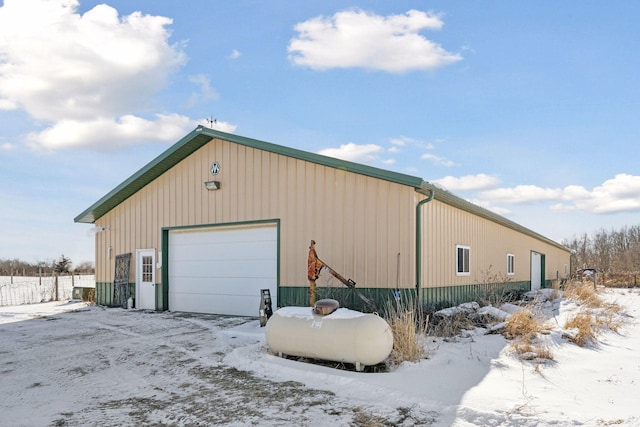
pixel 19 290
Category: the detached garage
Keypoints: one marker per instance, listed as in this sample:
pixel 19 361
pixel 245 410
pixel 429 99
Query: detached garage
pixel 218 217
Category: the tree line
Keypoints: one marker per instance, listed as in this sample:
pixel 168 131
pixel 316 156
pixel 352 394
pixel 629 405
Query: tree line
pixel 615 251
pixel 61 265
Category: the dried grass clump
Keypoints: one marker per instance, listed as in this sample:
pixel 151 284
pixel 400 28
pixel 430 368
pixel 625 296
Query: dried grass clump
pixel 580 329
pixel 408 332
pixel 523 328
pixel 609 317
pixel 522 324
pixel 529 350
pixel 583 294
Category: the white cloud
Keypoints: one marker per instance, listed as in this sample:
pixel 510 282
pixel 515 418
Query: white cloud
pixel 205 92
pixel 442 161
pixel 235 54
pixel 404 141
pixel 356 38
pixel 74 71
pixel 110 133
pixel 522 194
pixel 619 194
pixel 468 182
pixel 353 152
pixel 399 142
pixel 8 146
pixel 220 125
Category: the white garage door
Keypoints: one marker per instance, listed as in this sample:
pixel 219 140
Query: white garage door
pixel 222 270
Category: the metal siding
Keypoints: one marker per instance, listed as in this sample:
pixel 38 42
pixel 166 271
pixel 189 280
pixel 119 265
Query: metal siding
pixel 445 226
pixel 360 223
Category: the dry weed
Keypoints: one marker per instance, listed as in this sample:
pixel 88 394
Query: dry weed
pixel 450 326
pixel 408 332
pixel 530 350
pixel 544 352
pixel 582 329
pixel 522 324
pixel 523 328
pixel 555 294
pixel 609 317
pixel 583 294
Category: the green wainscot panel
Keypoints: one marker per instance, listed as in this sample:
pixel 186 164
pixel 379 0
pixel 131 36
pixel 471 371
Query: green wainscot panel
pixel 484 293
pixel 104 293
pixel 428 299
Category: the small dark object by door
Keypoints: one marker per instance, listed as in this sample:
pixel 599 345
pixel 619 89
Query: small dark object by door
pixel 265 306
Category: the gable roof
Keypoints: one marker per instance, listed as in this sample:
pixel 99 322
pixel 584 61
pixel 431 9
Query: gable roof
pixel 201 135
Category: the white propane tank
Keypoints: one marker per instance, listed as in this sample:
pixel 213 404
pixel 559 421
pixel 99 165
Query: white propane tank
pixel 130 303
pixel 342 336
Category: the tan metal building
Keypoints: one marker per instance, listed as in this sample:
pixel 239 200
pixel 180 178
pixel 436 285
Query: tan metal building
pixel 218 217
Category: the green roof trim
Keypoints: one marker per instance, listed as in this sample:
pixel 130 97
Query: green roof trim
pixel 200 137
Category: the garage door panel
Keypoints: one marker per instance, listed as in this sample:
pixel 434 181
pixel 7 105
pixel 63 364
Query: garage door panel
pixel 215 250
pixel 222 270
pixel 223 236
pixel 220 287
pixel 235 305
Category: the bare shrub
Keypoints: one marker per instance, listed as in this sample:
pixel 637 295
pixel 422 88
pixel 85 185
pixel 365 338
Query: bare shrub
pixel 408 332
pixel 621 279
pixel 450 326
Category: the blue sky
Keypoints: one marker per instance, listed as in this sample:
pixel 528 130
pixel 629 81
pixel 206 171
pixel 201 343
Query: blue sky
pixel 530 109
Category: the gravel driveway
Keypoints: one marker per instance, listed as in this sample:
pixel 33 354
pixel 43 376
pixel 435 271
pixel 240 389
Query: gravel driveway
pixel 97 366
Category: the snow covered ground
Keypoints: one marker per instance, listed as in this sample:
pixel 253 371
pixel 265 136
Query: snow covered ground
pixel 72 364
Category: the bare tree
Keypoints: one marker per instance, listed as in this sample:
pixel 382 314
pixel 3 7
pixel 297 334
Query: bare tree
pixel 615 250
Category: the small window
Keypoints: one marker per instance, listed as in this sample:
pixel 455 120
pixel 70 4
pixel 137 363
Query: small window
pixel 147 268
pixel 462 260
pixel 511 264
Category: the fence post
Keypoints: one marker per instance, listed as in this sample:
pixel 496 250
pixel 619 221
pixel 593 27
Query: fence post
pixel 56 281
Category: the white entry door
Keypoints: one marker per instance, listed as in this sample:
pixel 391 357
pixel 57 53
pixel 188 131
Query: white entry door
pixel 536 271
pixel 146 279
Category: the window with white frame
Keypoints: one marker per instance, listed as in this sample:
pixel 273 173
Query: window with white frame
pixel 511 264
pixel 463 256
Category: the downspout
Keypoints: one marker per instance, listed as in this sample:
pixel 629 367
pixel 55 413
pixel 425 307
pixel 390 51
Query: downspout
pixel 419 242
